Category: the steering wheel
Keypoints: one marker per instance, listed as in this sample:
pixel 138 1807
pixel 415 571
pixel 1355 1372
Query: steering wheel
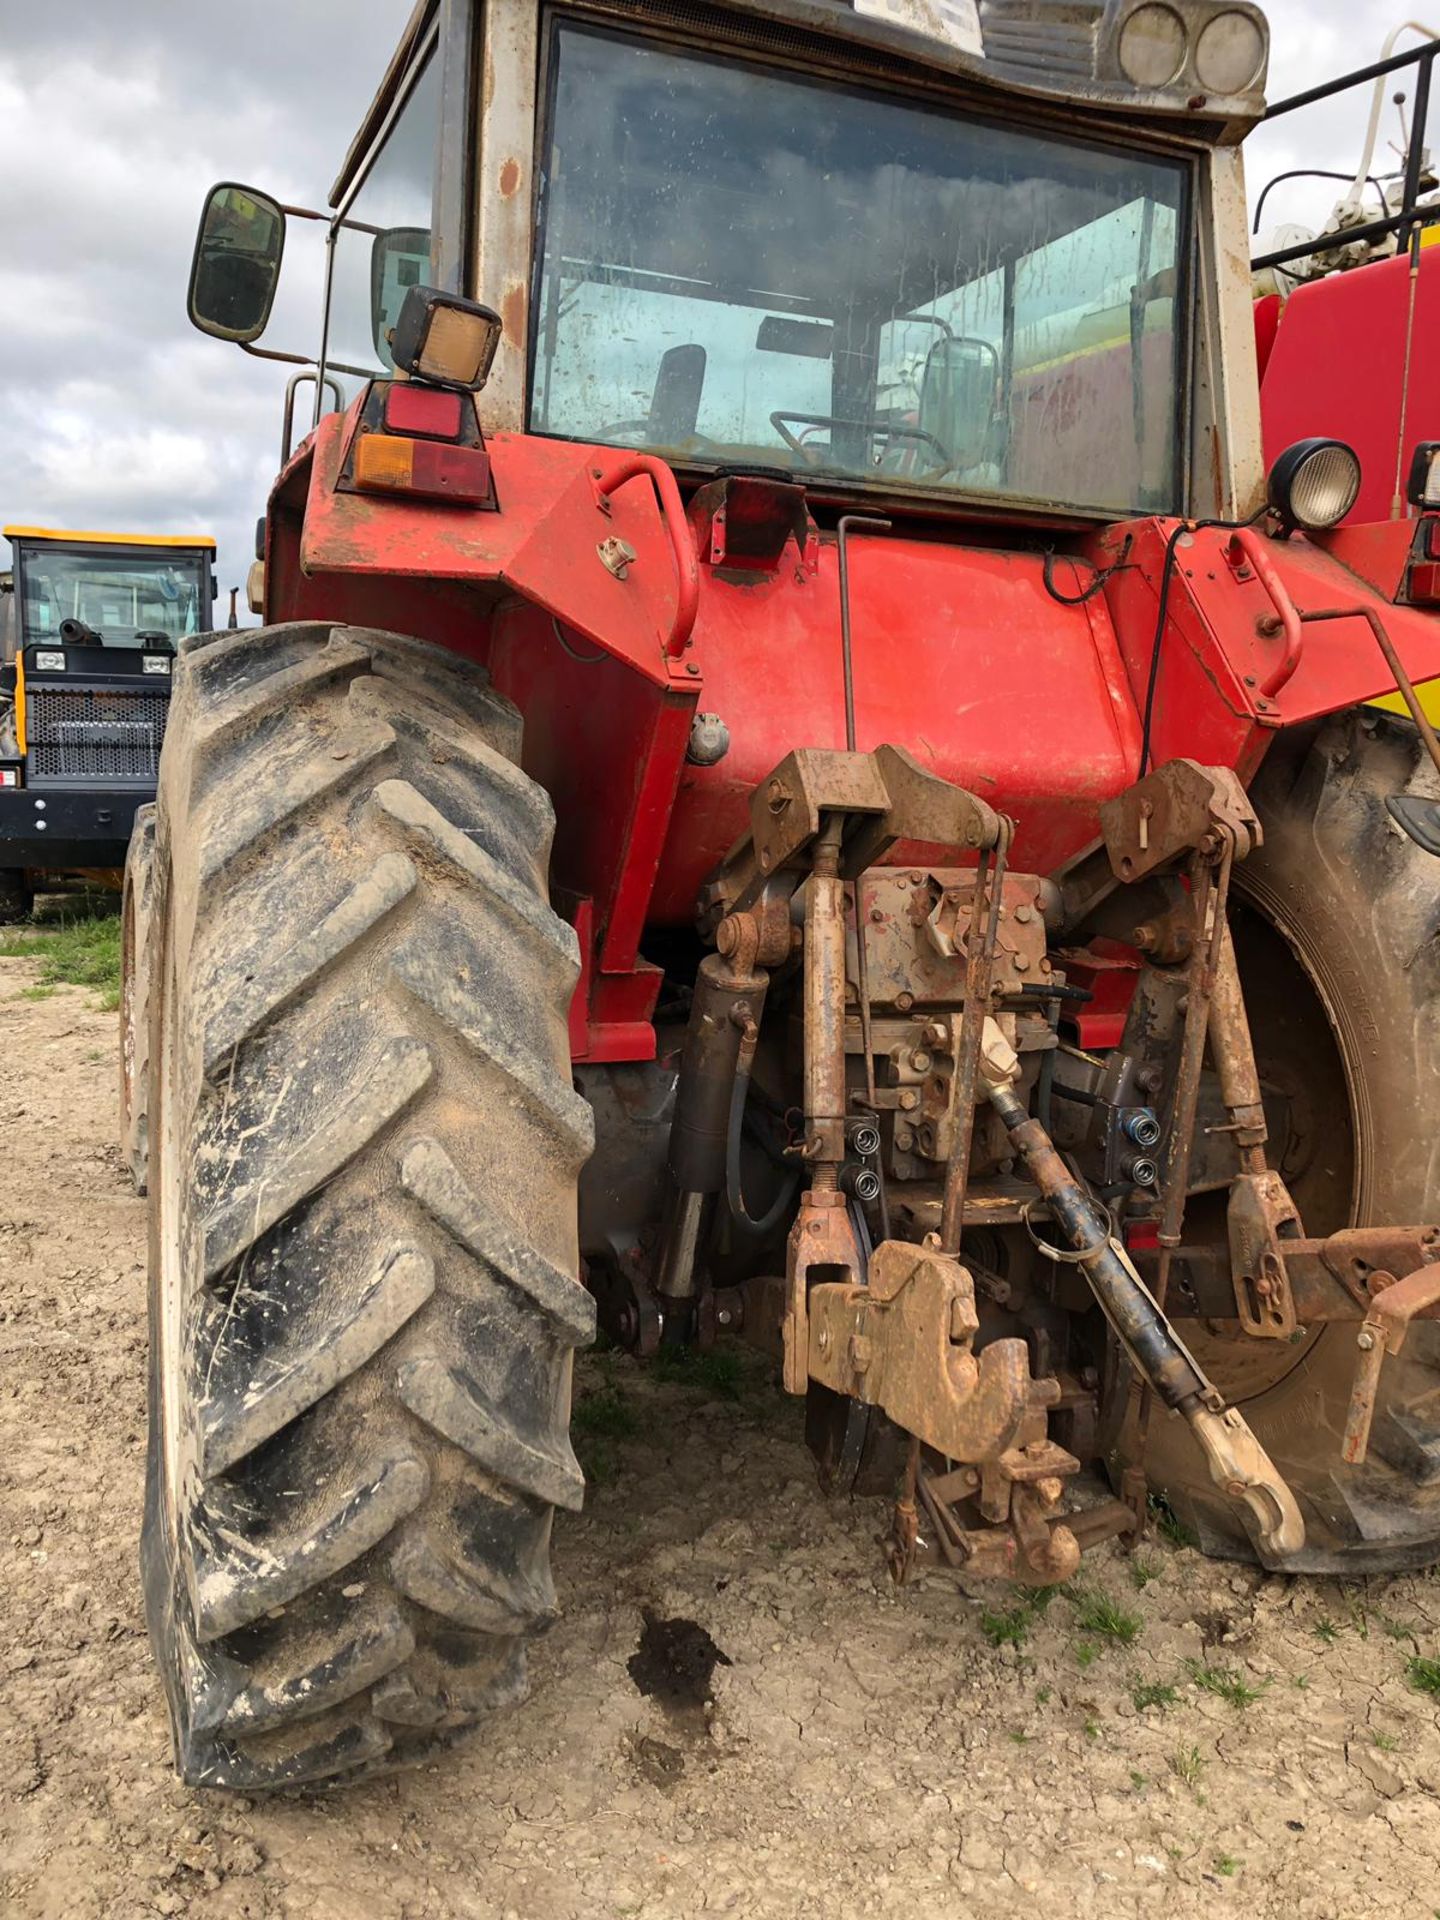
pixel 896 429
pixel 700 442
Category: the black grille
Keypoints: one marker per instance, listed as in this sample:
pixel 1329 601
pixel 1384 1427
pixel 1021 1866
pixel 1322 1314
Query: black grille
pixel 94 734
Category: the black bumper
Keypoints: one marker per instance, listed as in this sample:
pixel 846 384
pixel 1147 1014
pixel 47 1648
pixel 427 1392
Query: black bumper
pixel 60 827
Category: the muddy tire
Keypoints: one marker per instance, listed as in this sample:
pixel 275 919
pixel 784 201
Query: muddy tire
pixel 16 899
pixel 1335 922
pixel 135 920
pixel 364 1147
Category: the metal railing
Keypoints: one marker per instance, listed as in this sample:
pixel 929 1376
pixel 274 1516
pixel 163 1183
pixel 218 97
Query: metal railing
pixel 1411 216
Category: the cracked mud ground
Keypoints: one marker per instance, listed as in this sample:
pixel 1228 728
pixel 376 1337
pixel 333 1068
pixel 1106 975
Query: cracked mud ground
pixel 1258 1747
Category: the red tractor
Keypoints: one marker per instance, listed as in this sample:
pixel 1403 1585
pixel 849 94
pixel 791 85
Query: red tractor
pixel 797 778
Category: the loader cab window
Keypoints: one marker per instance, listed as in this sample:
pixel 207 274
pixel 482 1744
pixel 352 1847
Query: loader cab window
pixel 742 266
pixel 382 244
pixel 123 594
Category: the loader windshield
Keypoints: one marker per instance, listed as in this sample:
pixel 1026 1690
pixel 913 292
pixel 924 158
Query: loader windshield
pixel 742 267
pixel 125 595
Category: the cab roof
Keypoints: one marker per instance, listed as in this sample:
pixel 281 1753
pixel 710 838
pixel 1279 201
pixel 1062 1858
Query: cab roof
pixel 203 540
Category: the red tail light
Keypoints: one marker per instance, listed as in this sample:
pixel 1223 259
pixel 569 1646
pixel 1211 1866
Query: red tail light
pixel 431 413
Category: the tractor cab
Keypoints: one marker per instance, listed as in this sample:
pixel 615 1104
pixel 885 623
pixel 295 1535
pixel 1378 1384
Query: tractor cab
pixel 93 624
pixel 881 250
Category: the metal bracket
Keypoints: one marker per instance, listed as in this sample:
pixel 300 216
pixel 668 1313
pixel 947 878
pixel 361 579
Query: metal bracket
pixel 1393 1305
pixel 1261 1216
pixel 883 796
pixel 1180 808
pixel 903 1343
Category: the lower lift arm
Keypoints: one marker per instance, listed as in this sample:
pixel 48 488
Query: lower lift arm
pixel 1237 1463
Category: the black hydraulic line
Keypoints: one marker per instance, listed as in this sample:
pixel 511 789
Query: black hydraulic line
pixel 755 1226
pixel 1312 173
pixel 1140 1324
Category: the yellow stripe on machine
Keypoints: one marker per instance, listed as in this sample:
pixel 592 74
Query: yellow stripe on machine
pixel 112 539
pixel 20 704
pixel 1429 693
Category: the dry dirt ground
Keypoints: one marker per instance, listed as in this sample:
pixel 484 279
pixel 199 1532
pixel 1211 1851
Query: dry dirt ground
pixel 867 1751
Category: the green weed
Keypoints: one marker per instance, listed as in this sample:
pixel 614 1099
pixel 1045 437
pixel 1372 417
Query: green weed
pixel 1225 1863
pixel 1143 1571
pixel 604 1413
pixel 721 1372
pixel 1152 1693
pixel 1188 1764
pixel 84 952
pixel 1098 1613
pixel 1423 1674
pixel 1226 1684
pixel 1168 1524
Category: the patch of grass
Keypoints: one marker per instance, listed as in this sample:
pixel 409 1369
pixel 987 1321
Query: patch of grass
pixel 1359 1619
pixel 1097 1613
pixel 1042 1696
pixel 1225 1863
pixel 1326 1630
pixel 1138 1781
pixel 1386 1742
pixel 1009 1626
pixel 1302 1681
pixel 1020 1739
pixel 1226 1684
pixel 35 993
pixel 599 1461
pixel 721 1372
pixel 1092 1729
pixel 1143 1570
pixel 1086 1653
pixel 605 1414
pixel 1152 1693
pixel 84 952
pixel 1423 1674
pixel 1188 1764
pixel 1168 1524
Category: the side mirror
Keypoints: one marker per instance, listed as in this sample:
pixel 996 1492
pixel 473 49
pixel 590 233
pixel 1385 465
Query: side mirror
pixel 399 260
pixel 959 393
pixel 236 267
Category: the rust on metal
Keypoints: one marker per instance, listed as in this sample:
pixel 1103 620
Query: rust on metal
pixel 1173 811
pixel 1393 1305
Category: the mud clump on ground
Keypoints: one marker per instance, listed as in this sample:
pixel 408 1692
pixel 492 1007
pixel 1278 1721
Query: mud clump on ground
pixel 1208 1741
pixel 674 1663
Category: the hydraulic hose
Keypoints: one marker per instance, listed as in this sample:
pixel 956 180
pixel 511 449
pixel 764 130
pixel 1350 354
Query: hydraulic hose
pixel 755 1227
pixel 1236 1461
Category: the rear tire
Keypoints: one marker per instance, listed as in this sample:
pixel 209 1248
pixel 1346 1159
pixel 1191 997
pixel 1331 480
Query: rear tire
pixel 135 921
pixel 1336 920
pixel 364 1150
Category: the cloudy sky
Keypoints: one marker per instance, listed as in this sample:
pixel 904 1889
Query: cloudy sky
pixel 116 115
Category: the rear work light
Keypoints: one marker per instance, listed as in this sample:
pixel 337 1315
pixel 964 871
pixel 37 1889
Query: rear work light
pixel 446 340
pixel 9 776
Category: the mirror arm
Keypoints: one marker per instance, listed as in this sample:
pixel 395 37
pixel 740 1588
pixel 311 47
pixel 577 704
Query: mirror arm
pixel 307 360
pixel 272 353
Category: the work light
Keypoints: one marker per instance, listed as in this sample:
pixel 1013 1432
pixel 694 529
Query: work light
pixel 1423 489
pixel 446 340
pixel 1314 484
